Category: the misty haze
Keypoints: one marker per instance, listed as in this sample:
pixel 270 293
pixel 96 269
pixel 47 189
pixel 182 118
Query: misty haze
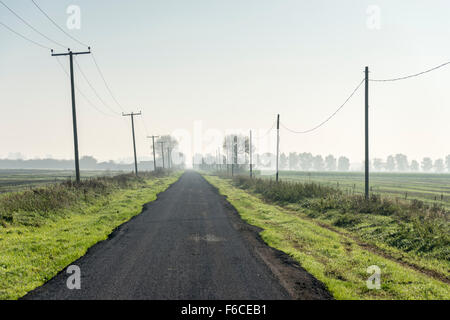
pixel 194 150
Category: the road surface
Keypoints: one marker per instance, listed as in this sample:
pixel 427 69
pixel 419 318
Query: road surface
pixel 188 244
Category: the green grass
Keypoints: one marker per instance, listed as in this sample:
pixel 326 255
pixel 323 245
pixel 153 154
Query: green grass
pixel 427 187
pixel 36 244
pixel 335 256
pixel 22 179
pixel 417 230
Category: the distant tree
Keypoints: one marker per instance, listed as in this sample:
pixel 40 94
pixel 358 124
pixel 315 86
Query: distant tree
pixel 293 161
pixel 390 163
pixel 306 161
pixel 427 164
pixel 239 143
pixel 88 162
pixel 439 166
pixel 414 166
pixel 330 163
pixel 168 142
pixel 266 160
pixel 343 164
pixel 283 161
pixel 318 163
pixel 378 164
pixel 18 156
pixel 402 162
pixel 447 162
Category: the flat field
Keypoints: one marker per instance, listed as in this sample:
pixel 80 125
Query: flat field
pixel 428 187
pixel 15 180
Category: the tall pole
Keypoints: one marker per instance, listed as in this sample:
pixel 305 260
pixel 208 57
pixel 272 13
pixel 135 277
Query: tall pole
pixel 154 155
pixel 235 155
pixel 367 133
pixel 278 143
pixel 217 161
pixel 250 151
pixel 229 146
pixel 74 112
pixel 162 152
pixel 134 145
pixel 169 161
pixel 74 119
pixel 132 114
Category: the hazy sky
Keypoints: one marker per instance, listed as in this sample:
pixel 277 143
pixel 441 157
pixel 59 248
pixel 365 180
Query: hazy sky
pixel 229 64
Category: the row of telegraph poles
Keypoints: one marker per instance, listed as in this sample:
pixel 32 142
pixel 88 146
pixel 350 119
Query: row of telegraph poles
pixel 366 137
pixel 366 140
pixel 70 53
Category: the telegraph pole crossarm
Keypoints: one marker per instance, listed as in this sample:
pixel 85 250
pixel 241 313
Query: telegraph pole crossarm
pixel 70 53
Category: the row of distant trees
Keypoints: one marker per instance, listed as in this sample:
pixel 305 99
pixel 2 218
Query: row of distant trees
pixel 164 145
pixel 86 163
pixel 306 162
pixel 400 162
pixel 236 149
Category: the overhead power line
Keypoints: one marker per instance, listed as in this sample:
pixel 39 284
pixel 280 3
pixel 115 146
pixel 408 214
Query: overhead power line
pixel 93 89
pixel 412 75
pixel 267 132
pixel 82 93
pixel 106 83
pixel 31 27
pixel 144 125
pixel 24 37
pixel 56 25
pixel 330 117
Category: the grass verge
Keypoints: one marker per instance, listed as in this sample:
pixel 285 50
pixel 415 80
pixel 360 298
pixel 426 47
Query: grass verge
pixel 337 260
pixel 44 230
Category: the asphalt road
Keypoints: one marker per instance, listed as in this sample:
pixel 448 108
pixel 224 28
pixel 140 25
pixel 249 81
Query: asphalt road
pixel 182 246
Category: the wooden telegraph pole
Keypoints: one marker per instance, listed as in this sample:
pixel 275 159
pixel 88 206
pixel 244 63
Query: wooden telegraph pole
pixel 74 112
pixel 278 144
pixel 366 193
pixel 154 155
pixel 132 114
pixel 162 152
pixel 250 151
